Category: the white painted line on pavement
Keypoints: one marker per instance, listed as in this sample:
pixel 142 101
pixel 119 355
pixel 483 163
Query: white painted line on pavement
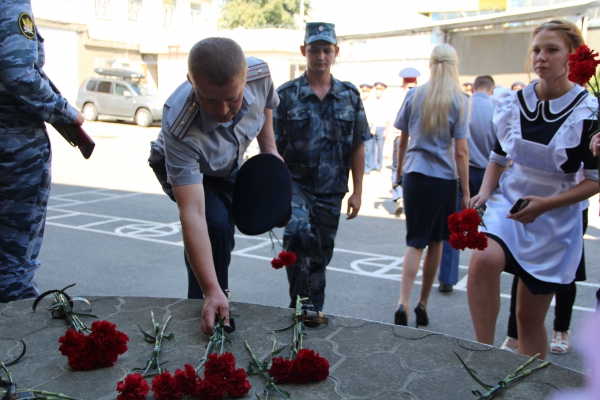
pixel 99 222
pixel 70 202
pixel 355 265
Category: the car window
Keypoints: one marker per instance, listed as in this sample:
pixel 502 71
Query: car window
pixel 91 85
pixel 143 90
pixel 104 87
pixel 119 89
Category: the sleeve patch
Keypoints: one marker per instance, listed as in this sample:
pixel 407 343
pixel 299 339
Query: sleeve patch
pixel 26 25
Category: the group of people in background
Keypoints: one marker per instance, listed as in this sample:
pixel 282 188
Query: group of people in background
pixel 451 151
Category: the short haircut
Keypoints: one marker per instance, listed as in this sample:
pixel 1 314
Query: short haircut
pixel 484 82
pixel 217 59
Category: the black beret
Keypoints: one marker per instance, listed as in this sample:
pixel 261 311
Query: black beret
pixel 262 195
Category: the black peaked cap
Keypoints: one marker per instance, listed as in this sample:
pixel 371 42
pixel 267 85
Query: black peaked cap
pixel 262 195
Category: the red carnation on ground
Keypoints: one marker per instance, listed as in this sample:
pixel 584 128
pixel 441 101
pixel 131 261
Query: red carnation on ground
pixel 308 367
pixel 219 367
pixel 582 65
pixel 133 387
pixel 100 348
pixel 238 384
pixel 209 390
pixel 281 370
pixel 165 387
pixel 186 380
pixel 288 258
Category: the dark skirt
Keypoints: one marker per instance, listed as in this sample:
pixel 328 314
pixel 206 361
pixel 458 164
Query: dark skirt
pixel 534 285
pixel 428 202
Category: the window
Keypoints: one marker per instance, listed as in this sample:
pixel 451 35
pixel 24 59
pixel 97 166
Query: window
pixel 134 9
pixel 102 7
pixel 91 86
pixel 120 89
pixel 104 87
pixel 168 12
pixel 196 10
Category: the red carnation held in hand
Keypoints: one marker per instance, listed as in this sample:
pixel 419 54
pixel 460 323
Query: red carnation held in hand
pixel 582 65
pixel 100 348
pixel 284 259
pixel 463 230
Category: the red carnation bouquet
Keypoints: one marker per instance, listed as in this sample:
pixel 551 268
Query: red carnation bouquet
pixel 99 349
pixel 464 232
pixel 220 376
pixel 284 258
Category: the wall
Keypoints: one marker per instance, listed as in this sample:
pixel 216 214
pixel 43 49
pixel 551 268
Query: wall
pixel 61 60
pixel 502 56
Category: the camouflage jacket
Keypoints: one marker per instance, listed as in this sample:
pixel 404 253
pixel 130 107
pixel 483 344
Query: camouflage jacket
pixel 315 137
pixel 26 98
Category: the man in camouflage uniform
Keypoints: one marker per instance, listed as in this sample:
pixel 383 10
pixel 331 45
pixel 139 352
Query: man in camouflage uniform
pixel 26 101
pixel 320 129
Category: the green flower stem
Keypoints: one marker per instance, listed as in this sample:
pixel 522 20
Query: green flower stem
pixel 217 339
pixel 45 394
pixel 63 304
pixel 270 384
pixel 298 333
pixel 8 374
pixel 48 395
pixel 159 334
pixel 272 236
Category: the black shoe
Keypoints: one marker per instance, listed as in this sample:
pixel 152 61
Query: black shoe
pixel 445 287
pixel 422 318
pixel 400 316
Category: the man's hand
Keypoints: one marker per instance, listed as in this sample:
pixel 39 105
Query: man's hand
pixel 214 304
pixel 354 202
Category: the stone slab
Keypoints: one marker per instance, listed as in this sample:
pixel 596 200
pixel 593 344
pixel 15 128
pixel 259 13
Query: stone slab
pixel 368 360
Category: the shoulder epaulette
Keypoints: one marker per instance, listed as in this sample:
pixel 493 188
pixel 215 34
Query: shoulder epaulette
pixel 258 71
pixel 182 123
pixel 351 86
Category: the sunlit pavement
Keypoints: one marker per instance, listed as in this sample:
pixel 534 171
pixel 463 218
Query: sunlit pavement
pixel 111 231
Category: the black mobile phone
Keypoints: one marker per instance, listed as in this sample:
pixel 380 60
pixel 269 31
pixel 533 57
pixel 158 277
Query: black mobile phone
pixel 518 206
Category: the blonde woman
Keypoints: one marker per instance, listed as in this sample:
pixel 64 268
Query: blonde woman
pixel 430 165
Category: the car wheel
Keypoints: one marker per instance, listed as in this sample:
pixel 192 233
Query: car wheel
pixel 143 117
pixel 89 112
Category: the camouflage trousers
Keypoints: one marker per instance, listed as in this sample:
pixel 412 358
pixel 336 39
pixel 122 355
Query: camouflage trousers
pixel 310 233
pixel 25 159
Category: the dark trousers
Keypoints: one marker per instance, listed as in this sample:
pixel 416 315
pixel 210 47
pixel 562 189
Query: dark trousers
pixel 564 300
pixel 311 234
pixel 25 177
pixel 219 220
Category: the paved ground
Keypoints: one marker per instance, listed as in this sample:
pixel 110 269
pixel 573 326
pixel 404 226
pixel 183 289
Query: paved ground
pixel 112 231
